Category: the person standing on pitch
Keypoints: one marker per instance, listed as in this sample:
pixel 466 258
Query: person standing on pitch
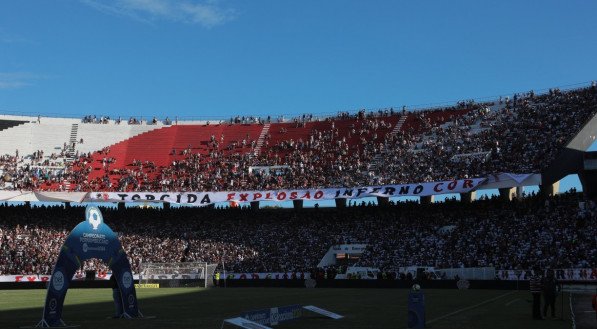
pixel 217 279
pixel 550 291
pixel 535 286
pixel 117 297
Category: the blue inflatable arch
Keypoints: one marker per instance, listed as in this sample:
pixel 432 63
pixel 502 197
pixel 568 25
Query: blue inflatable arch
pixel 89 239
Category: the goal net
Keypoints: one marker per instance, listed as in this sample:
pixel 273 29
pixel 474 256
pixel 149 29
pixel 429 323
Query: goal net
pixel 191 274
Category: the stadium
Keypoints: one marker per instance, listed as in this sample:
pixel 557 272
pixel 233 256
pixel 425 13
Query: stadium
pixel 479 213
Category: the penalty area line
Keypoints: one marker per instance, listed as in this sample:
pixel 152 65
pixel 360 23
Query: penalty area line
pixel 471 307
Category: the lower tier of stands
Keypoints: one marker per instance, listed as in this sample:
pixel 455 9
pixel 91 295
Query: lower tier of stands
pixel 556 232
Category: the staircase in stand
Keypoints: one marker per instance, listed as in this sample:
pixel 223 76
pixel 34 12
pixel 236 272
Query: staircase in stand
pixel 374 166
pixel 72 142
pixel 398 125
pixel 261 138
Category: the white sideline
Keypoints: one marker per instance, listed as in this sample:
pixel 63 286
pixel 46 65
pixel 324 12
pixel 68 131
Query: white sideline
pixel 471 307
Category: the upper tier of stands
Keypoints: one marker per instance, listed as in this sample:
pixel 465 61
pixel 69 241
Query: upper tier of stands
pixel 519 135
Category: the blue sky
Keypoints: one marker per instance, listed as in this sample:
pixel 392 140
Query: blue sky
pixel 227 57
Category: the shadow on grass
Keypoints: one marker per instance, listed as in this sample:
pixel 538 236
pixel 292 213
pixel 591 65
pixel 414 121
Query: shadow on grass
pixel 182 308
pixel 362 308
pixel 171 310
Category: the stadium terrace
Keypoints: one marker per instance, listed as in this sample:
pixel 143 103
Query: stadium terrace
pixel 208 168
pixel 365 149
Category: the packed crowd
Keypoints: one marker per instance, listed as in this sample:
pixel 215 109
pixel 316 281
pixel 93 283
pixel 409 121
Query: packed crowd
pixel 437 145
pixel 558 232
pixel 324 159
pixel 23 173
pixel 519 135
pixel 523 136
pixel 29 172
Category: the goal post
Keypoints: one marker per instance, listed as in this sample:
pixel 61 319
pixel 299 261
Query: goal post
pixel 179 274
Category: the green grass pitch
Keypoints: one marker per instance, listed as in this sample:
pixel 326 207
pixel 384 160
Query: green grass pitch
pixel 206 308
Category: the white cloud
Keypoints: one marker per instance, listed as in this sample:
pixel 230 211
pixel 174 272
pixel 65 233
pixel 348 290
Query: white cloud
pixel 15 80
pixel 207 13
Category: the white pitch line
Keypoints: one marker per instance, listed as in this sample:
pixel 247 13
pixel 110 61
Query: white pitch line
pixel 512 302
pixel 471 307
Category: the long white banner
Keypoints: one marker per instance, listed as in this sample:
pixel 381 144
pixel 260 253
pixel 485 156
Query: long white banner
pixel 206 198
pixel 504 180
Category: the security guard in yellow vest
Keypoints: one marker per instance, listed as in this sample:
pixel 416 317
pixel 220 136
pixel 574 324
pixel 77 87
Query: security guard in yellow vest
pixel 217 279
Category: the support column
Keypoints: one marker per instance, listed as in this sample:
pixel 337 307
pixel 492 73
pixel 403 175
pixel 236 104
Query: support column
pixel 298 204
pixel 519 191
pixel 588 180
pixel 383 201
pixel 468 197
pixel 555 187
pixel 166 205
pixel 121 206
pixel 507 194
pixel 67 205
pixel 340 203
pixel 254 205
pixel 550 189
pixel 427 199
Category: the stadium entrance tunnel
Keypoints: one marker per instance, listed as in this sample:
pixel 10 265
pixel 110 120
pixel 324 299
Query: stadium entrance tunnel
pixel 90 239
